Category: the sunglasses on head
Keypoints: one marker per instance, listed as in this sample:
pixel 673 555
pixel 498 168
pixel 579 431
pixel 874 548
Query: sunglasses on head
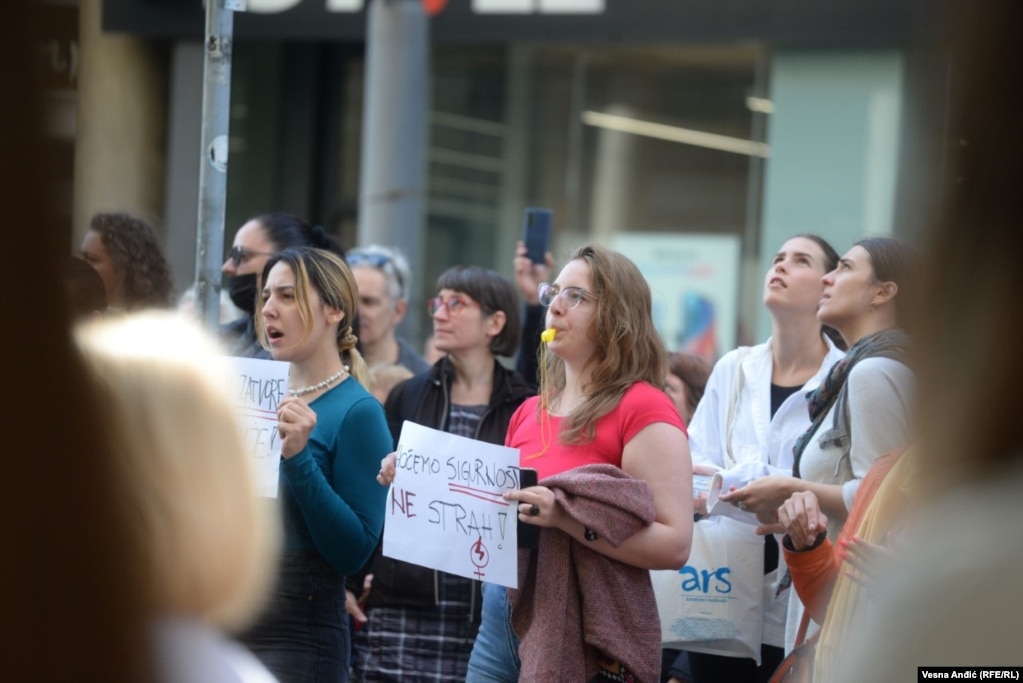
pixel 378 261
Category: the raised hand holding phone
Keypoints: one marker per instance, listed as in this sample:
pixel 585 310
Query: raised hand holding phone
pixel 536 233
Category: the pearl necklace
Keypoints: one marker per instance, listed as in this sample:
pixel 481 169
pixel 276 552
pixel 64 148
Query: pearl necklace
pixel 322 385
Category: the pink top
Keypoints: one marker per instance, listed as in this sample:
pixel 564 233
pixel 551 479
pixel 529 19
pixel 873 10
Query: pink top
pixel 641 406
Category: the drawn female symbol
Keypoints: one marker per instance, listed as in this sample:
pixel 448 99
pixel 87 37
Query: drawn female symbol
pixel 479 556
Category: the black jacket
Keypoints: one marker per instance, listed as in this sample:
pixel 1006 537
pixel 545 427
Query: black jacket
pixel 425 399
pixel 534 320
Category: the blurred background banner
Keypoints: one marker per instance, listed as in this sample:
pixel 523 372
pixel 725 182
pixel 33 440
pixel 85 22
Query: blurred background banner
pixel 694 280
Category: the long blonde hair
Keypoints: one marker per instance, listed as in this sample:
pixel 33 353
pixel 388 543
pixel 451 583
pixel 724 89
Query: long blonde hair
pixel 209 542
pixel 628 347
pixel 332 279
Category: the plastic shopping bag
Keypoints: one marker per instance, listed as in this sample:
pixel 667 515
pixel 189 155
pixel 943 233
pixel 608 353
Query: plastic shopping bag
pixel 715 603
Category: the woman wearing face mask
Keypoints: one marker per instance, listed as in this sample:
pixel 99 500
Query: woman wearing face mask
pixel 254 243
pixel 333 435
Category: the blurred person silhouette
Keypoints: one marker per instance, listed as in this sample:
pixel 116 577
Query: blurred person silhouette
pixel 333 435
pixel 83 288
pixel 210 543
pixel 686 382
pixel 254 243
pixel 614 498
pixel 69 582
pixel 954 597
pixel 861 409
pixel 421 623
pixel 126 253
pixel 753 409
pixel 384 278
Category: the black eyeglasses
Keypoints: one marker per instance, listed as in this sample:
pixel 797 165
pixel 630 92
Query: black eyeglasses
pixel 378 261
pixel 570 296
pixel 240 255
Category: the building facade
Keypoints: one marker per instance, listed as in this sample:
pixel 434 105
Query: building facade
pixel 735 123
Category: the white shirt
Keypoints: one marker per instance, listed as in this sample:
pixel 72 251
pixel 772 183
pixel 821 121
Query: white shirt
pixel 754 437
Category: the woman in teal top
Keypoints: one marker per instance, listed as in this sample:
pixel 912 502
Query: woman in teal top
pixel 333 435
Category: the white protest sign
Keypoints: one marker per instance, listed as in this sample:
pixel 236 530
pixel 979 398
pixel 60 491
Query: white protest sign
pixel 257 388
pixel 445 510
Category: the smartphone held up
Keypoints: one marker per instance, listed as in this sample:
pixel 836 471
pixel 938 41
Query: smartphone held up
pixel 536 233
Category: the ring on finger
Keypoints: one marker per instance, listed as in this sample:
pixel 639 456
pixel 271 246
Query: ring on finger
pixel 741 505
pixel 533 510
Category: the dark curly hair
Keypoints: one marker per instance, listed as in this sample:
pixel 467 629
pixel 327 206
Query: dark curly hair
pixel 143 273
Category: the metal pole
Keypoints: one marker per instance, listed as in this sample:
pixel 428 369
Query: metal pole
pixel 216 105
pixel 395 115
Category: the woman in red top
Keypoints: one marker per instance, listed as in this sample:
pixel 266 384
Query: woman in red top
pixel 602 430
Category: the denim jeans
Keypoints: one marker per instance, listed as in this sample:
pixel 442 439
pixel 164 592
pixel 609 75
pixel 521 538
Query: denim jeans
pixel 303 635
pixel 495 655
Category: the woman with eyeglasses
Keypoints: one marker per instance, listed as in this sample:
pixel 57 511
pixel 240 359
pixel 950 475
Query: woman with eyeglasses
pixel 254 243
pixel 614 498
pixel 420 624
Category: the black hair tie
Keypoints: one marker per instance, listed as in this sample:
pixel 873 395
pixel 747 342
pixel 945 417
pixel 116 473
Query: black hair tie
pixel 319 237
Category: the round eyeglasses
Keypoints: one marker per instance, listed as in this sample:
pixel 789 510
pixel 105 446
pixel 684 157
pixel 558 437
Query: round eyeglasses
pixel 570 296
pixel 454 304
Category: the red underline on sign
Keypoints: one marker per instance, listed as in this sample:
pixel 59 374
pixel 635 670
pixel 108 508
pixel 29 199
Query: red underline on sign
pixel 478 493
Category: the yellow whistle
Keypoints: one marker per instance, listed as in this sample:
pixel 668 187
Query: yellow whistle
pixel 547 336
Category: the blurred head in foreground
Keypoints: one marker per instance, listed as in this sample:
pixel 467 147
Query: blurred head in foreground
pixel 210 542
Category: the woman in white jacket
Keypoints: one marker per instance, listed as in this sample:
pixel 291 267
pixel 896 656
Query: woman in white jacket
pixel 753 410
pixel 861 409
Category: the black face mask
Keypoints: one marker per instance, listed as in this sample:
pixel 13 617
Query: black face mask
pixel 242 290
